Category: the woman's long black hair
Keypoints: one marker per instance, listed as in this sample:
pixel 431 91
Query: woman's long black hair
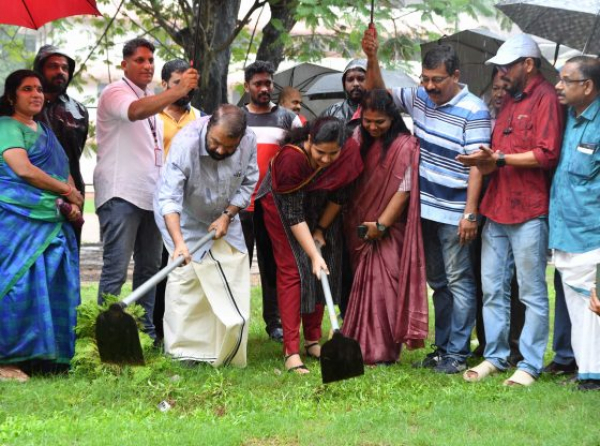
pixel 321 130
pixel 381 101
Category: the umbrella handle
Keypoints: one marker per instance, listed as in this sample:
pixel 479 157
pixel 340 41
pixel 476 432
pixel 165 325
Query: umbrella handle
pixel 155 279
pixel 328 298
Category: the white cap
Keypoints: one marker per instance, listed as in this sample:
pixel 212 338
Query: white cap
pixel 516 47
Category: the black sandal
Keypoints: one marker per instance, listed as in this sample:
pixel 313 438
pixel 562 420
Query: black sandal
pixel 295 369
pixel 308 353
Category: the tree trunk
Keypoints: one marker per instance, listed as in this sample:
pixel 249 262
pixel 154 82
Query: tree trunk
pixel 217 20
pixel 271 47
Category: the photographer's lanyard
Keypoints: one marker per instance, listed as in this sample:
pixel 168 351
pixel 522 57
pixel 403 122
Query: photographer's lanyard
pixel 158 157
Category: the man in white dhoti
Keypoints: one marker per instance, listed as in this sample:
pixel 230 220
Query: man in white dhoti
pixel 209 175
pixel 575 210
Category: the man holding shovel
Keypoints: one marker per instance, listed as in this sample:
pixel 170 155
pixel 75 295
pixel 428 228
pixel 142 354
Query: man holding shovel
pixel 208 178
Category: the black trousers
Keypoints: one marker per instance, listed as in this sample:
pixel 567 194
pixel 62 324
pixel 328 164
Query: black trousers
pixel 255 231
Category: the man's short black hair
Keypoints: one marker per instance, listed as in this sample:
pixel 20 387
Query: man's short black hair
pixel 132 45
pixel 260 66
pixel 442 55
pixel 173 66
pixel 589 67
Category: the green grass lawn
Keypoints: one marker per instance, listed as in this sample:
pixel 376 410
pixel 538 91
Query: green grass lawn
pixel 263 405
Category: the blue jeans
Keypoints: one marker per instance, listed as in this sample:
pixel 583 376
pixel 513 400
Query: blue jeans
pixel 504 247
pixel 450 275
pixel 561 344
pixel 126 230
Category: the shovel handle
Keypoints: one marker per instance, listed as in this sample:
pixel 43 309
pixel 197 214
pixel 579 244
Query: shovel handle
pixel 328 298
pixel 155 279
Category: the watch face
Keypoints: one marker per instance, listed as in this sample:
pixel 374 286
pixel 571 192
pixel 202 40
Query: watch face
pixel 470 217
pixel 381 228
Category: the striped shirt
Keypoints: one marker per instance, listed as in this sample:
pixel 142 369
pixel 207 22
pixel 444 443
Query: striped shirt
pixel 270 130
pixel 459 126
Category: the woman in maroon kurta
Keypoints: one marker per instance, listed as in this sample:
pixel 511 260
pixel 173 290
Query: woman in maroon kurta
pixel 300 199
pixel 388 302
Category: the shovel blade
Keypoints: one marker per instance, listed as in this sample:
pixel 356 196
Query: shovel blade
pixel 117 337
pixel 341 358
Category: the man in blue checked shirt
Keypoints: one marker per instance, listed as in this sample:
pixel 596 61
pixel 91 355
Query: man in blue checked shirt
pixel 449 121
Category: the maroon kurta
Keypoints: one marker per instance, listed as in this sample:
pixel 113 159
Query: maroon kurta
pixel 388 301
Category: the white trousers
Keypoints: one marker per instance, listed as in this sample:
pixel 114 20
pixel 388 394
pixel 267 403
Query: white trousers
pixel 578 272
pixel 207 308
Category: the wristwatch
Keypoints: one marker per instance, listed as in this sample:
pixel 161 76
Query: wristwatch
pixel 501 161
pixel 470 216
pixel 380 227
pixel 229 214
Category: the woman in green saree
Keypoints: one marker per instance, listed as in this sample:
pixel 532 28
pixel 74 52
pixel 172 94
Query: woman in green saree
pixel 39 266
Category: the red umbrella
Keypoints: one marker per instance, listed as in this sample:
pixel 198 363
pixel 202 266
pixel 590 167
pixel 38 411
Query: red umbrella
pixel 36 13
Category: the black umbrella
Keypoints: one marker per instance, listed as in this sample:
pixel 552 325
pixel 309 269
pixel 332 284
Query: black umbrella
pixel 572 23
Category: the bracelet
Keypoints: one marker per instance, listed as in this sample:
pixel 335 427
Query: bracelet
pixel 69 191
pixel 229 214
pixel 321 228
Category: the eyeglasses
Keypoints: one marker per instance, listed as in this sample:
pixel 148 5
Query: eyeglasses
pixel 569 82
pixel 436 80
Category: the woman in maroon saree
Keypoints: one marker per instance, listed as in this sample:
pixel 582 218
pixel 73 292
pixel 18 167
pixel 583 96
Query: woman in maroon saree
pixel 300 200
pixel 388 302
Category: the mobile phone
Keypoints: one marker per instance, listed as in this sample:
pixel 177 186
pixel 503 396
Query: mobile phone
pixel 362 231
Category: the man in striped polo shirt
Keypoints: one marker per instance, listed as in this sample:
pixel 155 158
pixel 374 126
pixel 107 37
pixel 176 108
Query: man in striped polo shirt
pixel 270 123
pixel 449 121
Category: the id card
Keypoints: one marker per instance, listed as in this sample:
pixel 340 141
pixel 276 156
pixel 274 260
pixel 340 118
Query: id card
pixel 587 149
pixel 158 157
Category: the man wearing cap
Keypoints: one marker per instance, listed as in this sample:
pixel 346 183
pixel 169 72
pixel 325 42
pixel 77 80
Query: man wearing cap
pixel 525 147
pixel 353 81
pixel 575 210
pixel 68 118
pixel 448 120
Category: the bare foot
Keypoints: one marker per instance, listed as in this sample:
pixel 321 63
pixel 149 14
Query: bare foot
pixel 12 373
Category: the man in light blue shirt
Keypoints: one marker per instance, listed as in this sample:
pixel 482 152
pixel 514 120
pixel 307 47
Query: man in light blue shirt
pixel 449 121
pixel 575 210
pixel 208 178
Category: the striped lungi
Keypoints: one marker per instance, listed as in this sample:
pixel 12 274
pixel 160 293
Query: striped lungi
pixel 207 308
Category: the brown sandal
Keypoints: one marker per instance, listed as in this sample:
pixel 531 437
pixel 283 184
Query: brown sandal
pixel 12 373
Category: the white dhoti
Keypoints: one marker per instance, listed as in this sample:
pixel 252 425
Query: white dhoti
pixel 207 308
pixel 578 272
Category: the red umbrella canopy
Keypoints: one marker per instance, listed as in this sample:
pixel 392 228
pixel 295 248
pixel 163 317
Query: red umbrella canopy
pixel 36 13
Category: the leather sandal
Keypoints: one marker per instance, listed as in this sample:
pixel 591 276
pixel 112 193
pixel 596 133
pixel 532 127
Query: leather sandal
pixel 300 369
pixel 480 372
pixel 307 348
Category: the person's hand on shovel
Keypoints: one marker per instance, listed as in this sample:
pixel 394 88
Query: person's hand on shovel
pixel 318 262
pixel 182 250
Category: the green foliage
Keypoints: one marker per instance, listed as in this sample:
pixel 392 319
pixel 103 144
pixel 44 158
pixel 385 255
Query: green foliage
pixel 263 405
pixel 86 361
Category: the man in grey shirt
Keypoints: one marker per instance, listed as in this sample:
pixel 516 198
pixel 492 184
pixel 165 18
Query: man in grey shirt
pixel 209 176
